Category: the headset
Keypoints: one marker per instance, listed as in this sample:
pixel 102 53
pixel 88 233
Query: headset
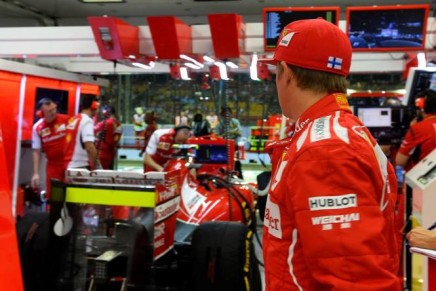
pixel 426 101
pixel 42 102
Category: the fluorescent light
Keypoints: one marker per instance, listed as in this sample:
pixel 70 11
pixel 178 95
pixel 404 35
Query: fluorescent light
pixel 208 59
pixel 253 68
pixel 185 57
pixel 102 1
pixel 223 70
pixel 232 65
pixel 422 62
pixel 184 73
pixel 144 66
pixel 192 66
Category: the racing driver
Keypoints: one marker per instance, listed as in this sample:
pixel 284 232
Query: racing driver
pixel 330 209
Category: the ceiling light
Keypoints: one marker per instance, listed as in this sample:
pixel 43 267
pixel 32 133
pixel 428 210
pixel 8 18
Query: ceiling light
pixel 102 1
pixel 223 70
pixel 208 59
pixel 232 65
pixel 253 68
pixel 144 66
pixel 184 73
pixel 192 66
pixel 188 58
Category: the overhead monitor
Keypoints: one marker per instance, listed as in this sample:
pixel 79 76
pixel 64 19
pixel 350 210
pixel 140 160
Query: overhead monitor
pixel 418 80
pixel 276 18
pixel 387 28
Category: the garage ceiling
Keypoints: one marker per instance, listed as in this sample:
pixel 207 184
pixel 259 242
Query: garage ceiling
pixel 15 13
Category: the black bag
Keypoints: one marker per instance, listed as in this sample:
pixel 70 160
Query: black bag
pixel 33 241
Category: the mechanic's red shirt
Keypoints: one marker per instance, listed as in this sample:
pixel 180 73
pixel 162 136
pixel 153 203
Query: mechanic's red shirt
pixel 160 145
pixel 108 133
pixel 421 134
pixel 50 137
pixel 330 209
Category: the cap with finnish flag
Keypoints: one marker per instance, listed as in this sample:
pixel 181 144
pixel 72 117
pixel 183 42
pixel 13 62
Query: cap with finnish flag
pixel 314 44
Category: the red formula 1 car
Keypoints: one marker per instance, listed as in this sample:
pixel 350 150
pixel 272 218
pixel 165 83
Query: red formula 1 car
pixel 173 230
pixel 215 215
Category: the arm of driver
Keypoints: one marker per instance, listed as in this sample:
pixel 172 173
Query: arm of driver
pixel 346 247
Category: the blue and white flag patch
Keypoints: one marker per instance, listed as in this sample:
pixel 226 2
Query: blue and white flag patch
pixel 334 63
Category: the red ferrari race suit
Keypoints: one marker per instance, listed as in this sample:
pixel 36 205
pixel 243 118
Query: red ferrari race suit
pixel 50 138
pixel 330 210
pixel 159 146
pixel 108 133
pixel 421 136
pixel 80 129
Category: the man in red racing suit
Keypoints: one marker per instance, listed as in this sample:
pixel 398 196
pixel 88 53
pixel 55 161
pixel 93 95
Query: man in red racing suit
pixel 48 135
pixel 159 148
pixel 329 220
pixel 108 133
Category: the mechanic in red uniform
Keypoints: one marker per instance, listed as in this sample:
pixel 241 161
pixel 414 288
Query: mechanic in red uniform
pixel 108 133
pixel 420 139
pixel 159 148
pixel 150 120
pixel 48 135
pixel 330 209
pixel 80 151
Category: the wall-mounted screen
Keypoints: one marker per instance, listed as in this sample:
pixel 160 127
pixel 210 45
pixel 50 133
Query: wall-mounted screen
pixel 276 18
pixel 60 97
pixel 387 28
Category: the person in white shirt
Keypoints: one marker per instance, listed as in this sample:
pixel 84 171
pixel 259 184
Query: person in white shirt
pixel 80 151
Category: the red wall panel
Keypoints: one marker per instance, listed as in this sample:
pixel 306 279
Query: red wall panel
pixel 9 98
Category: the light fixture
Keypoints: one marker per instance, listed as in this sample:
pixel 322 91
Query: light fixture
pixel 253 68
pixel 184 73
pixel 192 66
pixel 208 59
pixel 232 65
pixel 422 62
pixel 223 70
pixel 144 66
pixel 188 58
pixel 102 1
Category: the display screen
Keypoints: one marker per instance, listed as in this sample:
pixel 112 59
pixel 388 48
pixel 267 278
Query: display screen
pixel 387 28
pixel 211 154
pixel 420 80
pixel 375 117
pixel 275 19
pixel 60 97
pixel 388 125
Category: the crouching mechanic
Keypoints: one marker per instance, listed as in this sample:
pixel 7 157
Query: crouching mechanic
pixel 48 134
pixel 80 151
pixel 159 148
pixel 329 220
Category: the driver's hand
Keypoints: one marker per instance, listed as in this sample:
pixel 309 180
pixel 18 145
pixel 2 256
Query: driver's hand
pixel 160 169
pixel 34 182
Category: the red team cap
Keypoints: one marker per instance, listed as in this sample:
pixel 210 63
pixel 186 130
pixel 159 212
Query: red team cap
pixel 314 44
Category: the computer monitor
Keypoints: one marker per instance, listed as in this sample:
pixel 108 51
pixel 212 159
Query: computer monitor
pixel 388 125
pixel 276 18
pixel 418 80
pixel 211 154
pixel 375 117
